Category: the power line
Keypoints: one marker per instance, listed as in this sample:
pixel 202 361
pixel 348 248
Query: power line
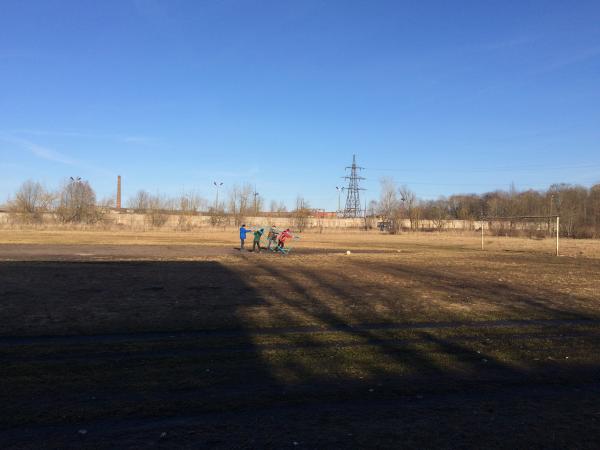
pixel 490 169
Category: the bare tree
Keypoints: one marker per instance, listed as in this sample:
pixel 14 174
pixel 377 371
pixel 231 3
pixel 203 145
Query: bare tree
pixel 77 202
pixel 159 207
pixel 372 208
pixel 31 201
pixel 240 202
pixel 388 207
pixel 232 205
pixel 593 206
pixel 410 204
pixel 190 203
pixel 277 207
pixel 570 205
pixel 301 214
pixel 258 204
pixel 218 217
pixel 107 202
pixel 281 208
pixel 140 202
pixel 388 199
pixel 246 199
pixel 436 211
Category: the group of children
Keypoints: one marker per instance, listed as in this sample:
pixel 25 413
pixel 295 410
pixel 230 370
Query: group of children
pixel 276 239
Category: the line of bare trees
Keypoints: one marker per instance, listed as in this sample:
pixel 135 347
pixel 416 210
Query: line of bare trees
pixel 395 204
pixel 75 202
pixel 158 207
pixel 578 207
pixel 242 201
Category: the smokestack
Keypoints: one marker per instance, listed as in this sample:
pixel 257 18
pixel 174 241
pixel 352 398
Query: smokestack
pixel 119 192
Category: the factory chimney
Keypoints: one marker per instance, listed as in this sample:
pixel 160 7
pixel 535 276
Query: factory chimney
pixel 119 192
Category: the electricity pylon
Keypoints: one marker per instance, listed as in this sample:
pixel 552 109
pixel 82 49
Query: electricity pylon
pixel 353 207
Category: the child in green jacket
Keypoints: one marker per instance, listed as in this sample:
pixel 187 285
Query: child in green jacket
pixel 257 235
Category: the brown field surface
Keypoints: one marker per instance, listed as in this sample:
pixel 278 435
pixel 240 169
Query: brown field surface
pixel 179 340
pixel 335 239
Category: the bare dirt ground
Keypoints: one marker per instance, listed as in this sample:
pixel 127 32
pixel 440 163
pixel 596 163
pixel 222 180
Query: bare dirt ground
pixel 178 340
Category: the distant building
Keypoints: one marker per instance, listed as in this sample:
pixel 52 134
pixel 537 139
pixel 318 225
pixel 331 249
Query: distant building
pixel 324 214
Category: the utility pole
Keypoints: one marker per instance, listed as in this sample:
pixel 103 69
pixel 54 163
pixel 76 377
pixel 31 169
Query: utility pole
pixel 217 185
pixel 255 203
pixel 403 200
pixel 353 207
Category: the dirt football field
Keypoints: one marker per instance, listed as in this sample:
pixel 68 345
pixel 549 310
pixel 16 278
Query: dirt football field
pixel 181 340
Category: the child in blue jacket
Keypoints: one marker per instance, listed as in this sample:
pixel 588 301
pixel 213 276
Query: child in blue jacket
pixel 243 231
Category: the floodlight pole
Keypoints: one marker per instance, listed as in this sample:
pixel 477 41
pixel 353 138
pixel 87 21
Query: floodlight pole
pixel 217 185
pixel 339 191
pixel 255 202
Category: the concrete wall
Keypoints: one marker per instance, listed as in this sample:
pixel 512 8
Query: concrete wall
pixel 176 221
pixel 134 221
pixel 131 220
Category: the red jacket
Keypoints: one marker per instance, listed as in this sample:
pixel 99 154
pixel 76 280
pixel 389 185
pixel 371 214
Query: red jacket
pixel 285 235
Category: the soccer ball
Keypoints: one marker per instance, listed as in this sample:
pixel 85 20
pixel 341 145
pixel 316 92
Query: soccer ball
pixel 348 252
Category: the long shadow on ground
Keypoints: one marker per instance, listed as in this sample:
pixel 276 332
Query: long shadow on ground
pixel 142 354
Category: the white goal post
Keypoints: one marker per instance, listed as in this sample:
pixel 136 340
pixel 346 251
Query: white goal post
pixel 512 219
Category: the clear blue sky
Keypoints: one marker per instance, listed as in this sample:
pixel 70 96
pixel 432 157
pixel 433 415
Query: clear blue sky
pixel 446 97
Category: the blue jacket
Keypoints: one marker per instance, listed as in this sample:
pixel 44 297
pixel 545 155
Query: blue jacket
pixel 243 232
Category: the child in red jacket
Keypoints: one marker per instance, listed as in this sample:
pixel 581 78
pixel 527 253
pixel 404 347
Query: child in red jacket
pixel 284 236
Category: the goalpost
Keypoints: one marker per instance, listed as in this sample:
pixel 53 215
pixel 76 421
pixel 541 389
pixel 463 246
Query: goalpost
pixel 529 224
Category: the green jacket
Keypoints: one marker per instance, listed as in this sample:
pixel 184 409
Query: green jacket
pixel 257 235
